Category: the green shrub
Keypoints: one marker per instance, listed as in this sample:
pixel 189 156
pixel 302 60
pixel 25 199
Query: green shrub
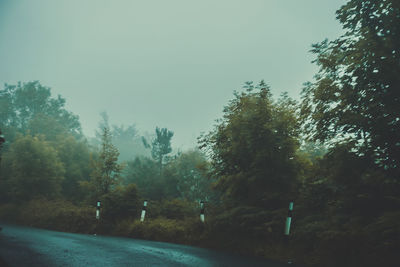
pixel 188 231
pixel 8 212
pixel 121 203
pixel 177 209
pixel 56 215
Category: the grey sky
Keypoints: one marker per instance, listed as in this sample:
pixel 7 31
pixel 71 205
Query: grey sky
pixel 164 63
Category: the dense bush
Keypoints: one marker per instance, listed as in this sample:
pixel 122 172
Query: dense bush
pixel 56 215
pixel 188 231
pixel 123 202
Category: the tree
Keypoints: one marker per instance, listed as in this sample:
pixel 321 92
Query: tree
pixel 128 142
pixel 253 147
pixel 145 174
pixel 30 107
pixel 161 145
pixel 356 96
pixel 106 170
pixel 126 139
pixel 122 202
pixel 75 156
pixel 32 168
pixel 188 175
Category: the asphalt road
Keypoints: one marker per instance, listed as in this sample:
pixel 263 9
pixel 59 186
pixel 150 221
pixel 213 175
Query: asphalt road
pixel 23 246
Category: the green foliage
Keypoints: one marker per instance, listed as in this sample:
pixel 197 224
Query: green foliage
pixel 106 170
pixel 184 176
pixel 353 106
pixel 56 215
pixel 145 174
pixel 75 156
pixel 188 173
pixel 188 231
pixel 313 151
pixel 253 147
pixel 250 224
pixel 30 107
pixel 32 168
pixel 178 209
pixel 122 202
pixel 128 142
pixel 158 229
pixel 9 212
pixel 356 98
pixel 344 178
pixel 160 146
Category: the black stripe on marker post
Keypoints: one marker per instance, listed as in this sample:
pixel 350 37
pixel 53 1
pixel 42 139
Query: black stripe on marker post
pixel 202 211
pixel 98 209
pixel 289 218
pixel 287 227
pixel 143 211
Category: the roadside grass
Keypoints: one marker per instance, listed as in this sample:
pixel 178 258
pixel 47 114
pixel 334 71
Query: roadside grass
pixel 244 230
pixel 54 215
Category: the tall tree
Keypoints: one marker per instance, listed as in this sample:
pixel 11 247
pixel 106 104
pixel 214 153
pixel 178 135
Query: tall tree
pixel 145 174
pixel 75 156
pixel 187 174
pixel 161 145
pixel 32 168
pixel 253 147
pixel 106 170
pixel 356 96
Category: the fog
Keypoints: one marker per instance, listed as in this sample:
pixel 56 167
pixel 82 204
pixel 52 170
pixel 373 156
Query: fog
pixel 160 63
pixel 183 122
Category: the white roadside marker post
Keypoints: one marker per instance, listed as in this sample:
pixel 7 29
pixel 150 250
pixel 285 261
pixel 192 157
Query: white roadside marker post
pixel 98 210
pixel 289 219
pixel 143 211
pixel 287 226
pixel 97 216
pixel 202 211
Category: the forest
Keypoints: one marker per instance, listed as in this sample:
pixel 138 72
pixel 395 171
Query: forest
pixel 335 154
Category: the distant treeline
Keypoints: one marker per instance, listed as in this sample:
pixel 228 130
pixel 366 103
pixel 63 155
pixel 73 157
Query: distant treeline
pixel 335 154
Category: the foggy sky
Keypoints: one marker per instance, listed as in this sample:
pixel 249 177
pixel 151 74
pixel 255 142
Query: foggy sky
pixel 165 63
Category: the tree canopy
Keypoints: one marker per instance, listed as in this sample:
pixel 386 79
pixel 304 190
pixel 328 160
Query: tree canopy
pixel 106 170
pixel 253 147
pixel 32 168
pixel 29 107
pixel 161 145
pixel 355 97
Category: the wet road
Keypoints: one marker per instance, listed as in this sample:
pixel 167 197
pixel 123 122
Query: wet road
pixel 22 246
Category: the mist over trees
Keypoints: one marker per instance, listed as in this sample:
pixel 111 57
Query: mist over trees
pixel 160 146
pixel 335 154
pixel 127 139
pixel 29 107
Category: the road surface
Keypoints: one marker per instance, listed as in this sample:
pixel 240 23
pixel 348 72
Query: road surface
pixel 23 246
